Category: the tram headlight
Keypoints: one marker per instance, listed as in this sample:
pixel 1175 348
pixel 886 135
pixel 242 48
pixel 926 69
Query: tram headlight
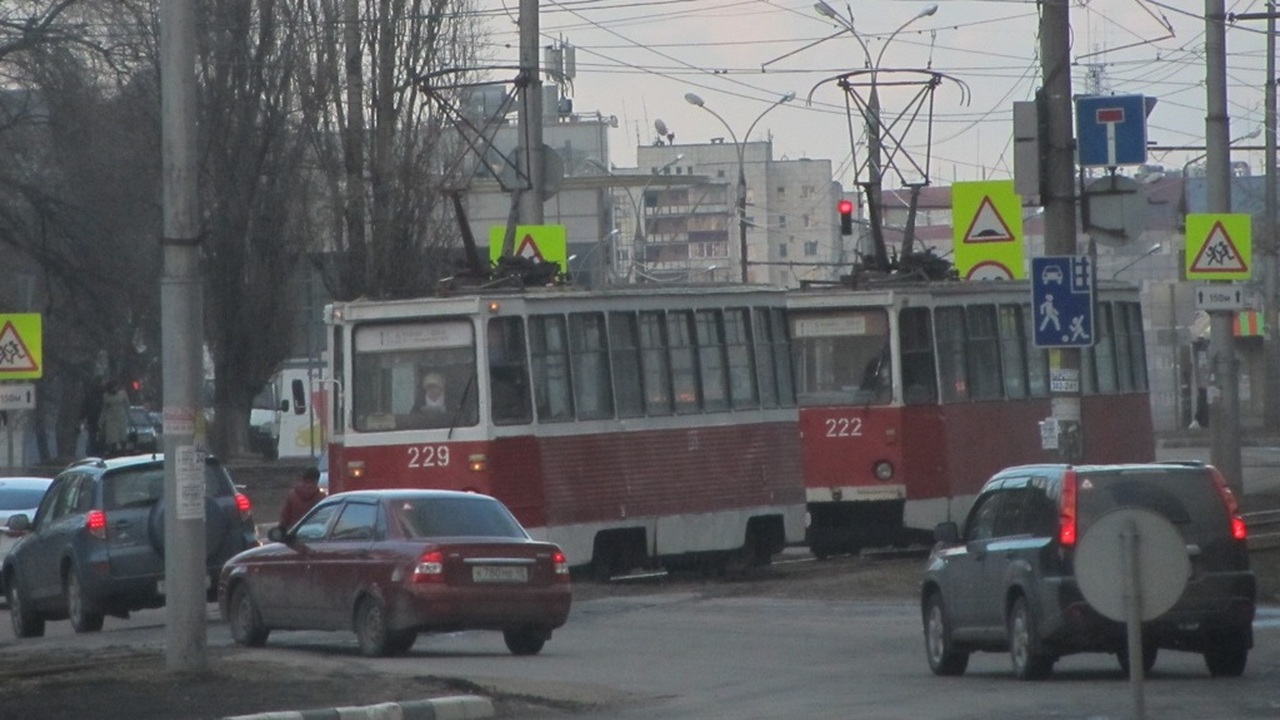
pixel 355 469
pixel 478 463
pixel 883 470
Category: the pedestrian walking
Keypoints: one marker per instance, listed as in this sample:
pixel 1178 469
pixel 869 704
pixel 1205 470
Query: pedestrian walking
pixel 303 496
pixel 113 421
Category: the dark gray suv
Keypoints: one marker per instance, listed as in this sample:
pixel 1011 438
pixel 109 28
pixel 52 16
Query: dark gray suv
pixel 96 545
pixel 1007 582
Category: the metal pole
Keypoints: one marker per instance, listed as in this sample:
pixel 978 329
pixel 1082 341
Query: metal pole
pixel 1129 540
pixel 1224 400
pixel 742 211
pixel 183 331
pixel 1058 195
pixel 530 116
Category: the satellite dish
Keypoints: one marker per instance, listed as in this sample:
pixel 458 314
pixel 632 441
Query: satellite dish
pixel 660 126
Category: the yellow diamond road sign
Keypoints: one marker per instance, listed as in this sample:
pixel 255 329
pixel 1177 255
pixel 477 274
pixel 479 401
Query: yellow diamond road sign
pixel 987 230
pixel 1219 246
pixel 21 352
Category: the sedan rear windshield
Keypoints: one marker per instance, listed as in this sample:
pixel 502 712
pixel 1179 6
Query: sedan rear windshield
pixel 455 517
pixel 20 499
pixel 1185 497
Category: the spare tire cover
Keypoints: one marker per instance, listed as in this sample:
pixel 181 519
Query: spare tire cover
pixel 217 526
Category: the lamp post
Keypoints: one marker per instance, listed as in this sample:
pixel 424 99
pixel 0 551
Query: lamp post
pixel 693 99
pixel 872 114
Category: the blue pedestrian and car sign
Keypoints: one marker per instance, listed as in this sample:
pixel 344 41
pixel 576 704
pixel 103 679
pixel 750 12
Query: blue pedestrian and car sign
pixel 1062 300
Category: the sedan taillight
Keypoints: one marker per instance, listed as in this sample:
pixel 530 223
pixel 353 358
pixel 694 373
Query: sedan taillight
pixel 95 521
pixel 562 566
pixel 430 568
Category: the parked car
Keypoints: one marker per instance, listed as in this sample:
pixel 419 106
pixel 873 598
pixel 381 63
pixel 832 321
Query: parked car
pixel 96 545
pixel 18 495
pixel 143 437
pixel 390 564
pixel 1007 581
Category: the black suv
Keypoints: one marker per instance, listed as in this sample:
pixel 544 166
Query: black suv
pixel 96 545
pixel 1007 582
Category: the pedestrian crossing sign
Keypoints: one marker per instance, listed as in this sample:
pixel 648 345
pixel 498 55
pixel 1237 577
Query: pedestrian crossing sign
pixel 21 351
pixel 1219 246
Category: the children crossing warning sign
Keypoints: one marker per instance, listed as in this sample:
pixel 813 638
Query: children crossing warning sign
pixel 1219 246
pixel 20 347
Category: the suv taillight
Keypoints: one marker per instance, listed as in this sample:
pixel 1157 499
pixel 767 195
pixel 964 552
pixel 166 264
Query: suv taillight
pixel 244 506
pixel 1239 530
pixel 430 567
pixel 1068 528
pixel 95 521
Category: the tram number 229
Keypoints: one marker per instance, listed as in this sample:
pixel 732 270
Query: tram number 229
pixel 428 456
pixel 844 427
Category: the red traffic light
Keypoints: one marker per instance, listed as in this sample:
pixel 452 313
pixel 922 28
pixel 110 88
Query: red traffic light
pixel 846 217
pixel 846 207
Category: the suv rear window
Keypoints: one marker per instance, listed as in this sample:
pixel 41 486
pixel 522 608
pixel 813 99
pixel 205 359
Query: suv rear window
pixel 144 485
pixel 1186 497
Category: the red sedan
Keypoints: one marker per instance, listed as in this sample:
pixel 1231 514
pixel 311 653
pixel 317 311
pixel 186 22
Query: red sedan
pixel 390 564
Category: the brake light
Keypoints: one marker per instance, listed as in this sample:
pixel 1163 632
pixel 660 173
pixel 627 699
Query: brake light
pixel 244 506
pixel 1067 525
pixel 1239 530
pixel 96 523
pixel 430 567
pixel 562 566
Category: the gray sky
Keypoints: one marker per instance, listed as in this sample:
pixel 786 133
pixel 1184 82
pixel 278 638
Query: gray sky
pixel 636 61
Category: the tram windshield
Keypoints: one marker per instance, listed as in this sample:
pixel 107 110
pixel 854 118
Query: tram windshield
pixel 843 358
pixel 416 375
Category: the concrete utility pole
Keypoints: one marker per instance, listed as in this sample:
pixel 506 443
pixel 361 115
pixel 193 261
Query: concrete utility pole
pixel 183 331
pixel 1059 198
pixel 1224 392
pixel 529 117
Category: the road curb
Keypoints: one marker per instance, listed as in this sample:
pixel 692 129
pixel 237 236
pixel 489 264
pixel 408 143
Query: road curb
pixel 453 707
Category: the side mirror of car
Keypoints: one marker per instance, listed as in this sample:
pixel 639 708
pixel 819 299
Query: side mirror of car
pixel 947 533
pixel 276 534
pixel 18 524
pixel 299 396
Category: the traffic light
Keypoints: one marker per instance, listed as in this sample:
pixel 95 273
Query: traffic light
pixel 846 217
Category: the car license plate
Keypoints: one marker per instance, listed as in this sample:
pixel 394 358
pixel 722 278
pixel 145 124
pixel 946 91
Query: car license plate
pixel 499 574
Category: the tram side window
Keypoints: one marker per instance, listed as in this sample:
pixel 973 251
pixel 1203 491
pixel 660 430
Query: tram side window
pixel 508 373
pixel 742 365
pixel 782 358
pixel 1137 343
pixel 983 353
pixel 842 358
pixel 1037 361
pixel 1104 348
pixel 1124 347
pixel 711 360
pixel 919 379
pixel 339 368
pixel 764 358
pixel 624 352
pixel 684 371
pixel 655 371
pixel 549 367
pixel 590 357
pixel 949 325
pixel 1013 352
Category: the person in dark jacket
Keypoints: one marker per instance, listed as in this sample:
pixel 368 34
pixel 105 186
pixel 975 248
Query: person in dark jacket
pixel 302 497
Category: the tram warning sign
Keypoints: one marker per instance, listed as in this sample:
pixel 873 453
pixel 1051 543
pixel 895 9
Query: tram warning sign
pixel 21 350
pixel 1219 246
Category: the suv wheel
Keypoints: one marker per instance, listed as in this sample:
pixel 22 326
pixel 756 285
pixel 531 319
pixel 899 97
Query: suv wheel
pixel 944 659
pixel 1149 652
pixel 26 624
pixel 1029 663
pixel 1227 656
pixel 83 618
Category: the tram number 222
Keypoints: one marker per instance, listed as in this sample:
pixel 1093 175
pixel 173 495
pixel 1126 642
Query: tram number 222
pixel 844 427
pixel 428 456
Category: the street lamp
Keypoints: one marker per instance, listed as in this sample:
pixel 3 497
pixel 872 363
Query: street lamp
pixel 693 99
pixel 1153 249
pixel 638 249
pixel 872 113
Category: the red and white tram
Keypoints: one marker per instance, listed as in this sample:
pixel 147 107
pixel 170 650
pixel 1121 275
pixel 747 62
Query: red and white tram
pixel 911 395
pixel 632 426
